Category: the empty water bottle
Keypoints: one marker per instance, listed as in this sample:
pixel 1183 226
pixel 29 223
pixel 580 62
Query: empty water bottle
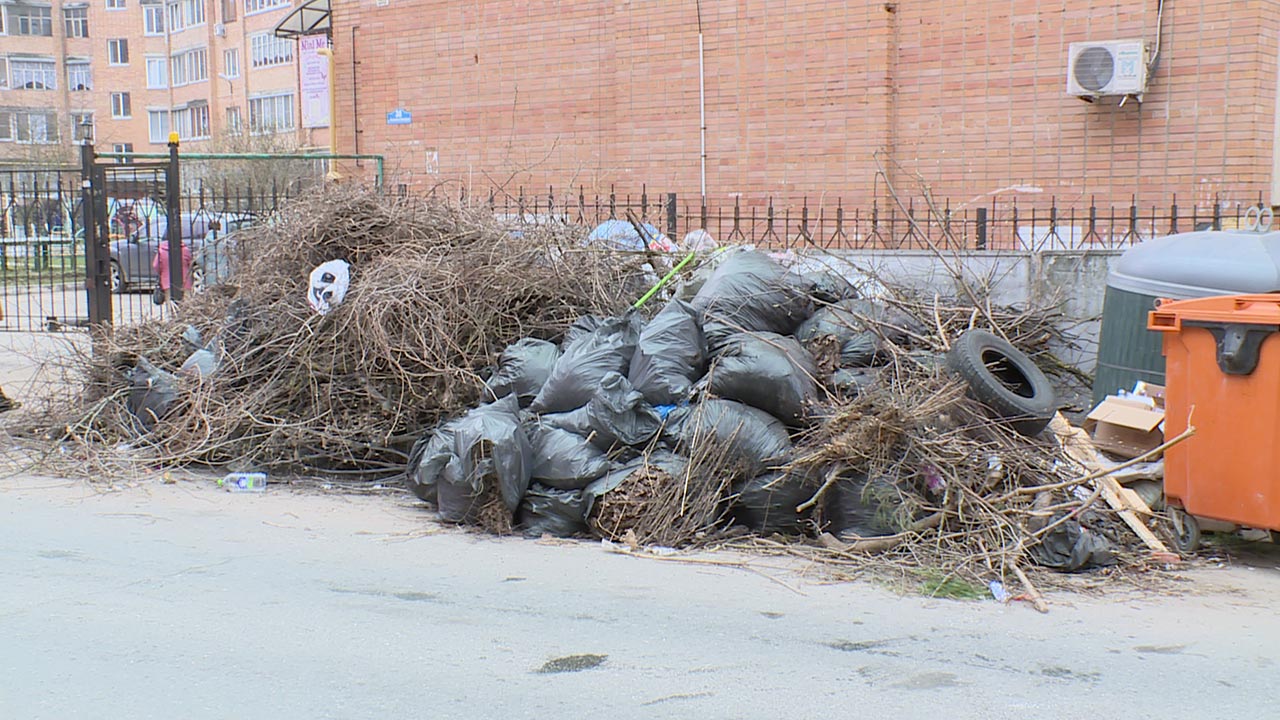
pixel 998 592
pixel 244 482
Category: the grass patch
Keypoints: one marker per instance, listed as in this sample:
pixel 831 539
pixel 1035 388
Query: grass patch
pixel 934 583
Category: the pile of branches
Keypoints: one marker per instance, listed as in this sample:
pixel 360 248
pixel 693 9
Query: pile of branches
pixel 437 291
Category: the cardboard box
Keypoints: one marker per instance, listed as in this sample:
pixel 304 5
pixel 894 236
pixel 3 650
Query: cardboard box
pixel 1155 392
pixel 1127 428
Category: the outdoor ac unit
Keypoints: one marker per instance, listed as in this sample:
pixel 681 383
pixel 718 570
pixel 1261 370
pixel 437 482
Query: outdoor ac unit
pixel 1114 67
pixel 220 30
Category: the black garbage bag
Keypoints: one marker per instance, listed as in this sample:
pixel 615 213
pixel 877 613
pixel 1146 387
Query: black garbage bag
pixel 749 292
pixel 828 286
pixel 1071 546
pixel 586 361
pixel 664 460
pixel 766 371
pixel 548 511
pixel 860 326
pixel 670 355
pixel 863 508
pixel 523 368
pixel 152 393
pixel 489 449
pixel 616 415
pixel 563 460
pixel 583 326
pixel 747 439
pixel 852 382
pixel 427 461
pixel 767 503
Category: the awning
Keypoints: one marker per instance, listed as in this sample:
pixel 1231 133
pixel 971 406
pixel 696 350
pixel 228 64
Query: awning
pixel 309 18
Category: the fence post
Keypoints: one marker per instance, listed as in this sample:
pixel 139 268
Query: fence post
pixel 980 226
pixel 672 224
pixel 96 254
pixel 173 223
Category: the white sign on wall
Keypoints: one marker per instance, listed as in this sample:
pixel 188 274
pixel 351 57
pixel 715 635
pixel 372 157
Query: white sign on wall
pixel 313 83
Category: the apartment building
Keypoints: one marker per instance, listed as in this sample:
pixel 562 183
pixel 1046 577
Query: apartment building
pixel 127 72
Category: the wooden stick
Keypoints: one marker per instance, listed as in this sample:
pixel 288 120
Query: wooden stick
pixel 1037 600
pixel 1101 473
pixel 832 477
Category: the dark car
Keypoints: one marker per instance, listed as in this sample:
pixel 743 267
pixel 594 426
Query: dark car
pixel 132 256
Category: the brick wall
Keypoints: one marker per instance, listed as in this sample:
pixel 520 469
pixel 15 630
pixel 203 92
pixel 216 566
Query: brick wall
pixel 802 97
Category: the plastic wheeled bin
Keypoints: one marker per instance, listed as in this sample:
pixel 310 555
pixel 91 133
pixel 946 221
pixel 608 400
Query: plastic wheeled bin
pixel 1222 375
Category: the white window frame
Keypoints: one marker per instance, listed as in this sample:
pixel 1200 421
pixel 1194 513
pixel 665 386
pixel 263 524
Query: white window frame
pixel 76 117
pixel 235 121
pixel 173 16
pixel 253 7
pixel 268 51
pixel 189 67
pixel 48 73
pixel 231 63
pixel 279 101
pixel 115 57
pixel 161 114
pixel 87 72
pixel 50 123
pixel 152 62
pixel 121 148
pixel 71 23
pixel 194 13
pixel 124 106
pixel 150 14
pixel 27 20
pixel 116 5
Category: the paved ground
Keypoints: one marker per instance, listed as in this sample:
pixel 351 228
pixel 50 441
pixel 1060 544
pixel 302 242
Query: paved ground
pixel 167 601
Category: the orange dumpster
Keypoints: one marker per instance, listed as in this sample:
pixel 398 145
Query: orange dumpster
pixel 1222 360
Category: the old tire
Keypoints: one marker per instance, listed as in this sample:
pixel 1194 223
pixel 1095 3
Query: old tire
pixel 115 278
pixel 1005 380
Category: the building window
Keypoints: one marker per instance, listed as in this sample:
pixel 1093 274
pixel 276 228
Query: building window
pixel 31 20
pixel 153 20
pixel 77 22
pixel 233 120
pixel 190 66
pixel 115 4
pixel 271 114
pixel 118 52
pixel 228 11
pixel 157 72
pixel 79 75
pixel 6 126
pixel 158 126
pixel 120 107
pixel 4 68
pixel 231 63
pixel 82 126
pixel 36 127
pixel 253 6
pixel 176 23
pixel 121 148
pixel 33 74
pixel 192 123
pixel 269 50
pixel 193 12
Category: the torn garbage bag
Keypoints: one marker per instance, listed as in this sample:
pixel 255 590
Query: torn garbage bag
pixel 1072 546
pixel 586 361
pixel 830 287
pixel 861 508
pixel 843 321
pixel 152 393
pixel 766 371
pixel 563 460
pixel 615 415
pixel 523 368
pixel 664 461
pixel 669 355
pixel 748 440
pixel 548 511
pixel 767 503
pixel 750 292
pixel 491 460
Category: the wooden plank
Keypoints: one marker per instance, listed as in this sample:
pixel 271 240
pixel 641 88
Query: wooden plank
pixel 1077 446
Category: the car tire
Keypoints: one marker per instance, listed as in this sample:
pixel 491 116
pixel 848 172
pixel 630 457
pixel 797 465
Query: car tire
pixel 116 279
pixel 1005 380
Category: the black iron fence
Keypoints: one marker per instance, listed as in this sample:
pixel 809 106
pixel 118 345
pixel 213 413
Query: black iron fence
pixel 1004 225
pixel 41 248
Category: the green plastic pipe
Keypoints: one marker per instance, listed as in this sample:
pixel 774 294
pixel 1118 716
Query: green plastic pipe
pixel 653 290
pixel 244 156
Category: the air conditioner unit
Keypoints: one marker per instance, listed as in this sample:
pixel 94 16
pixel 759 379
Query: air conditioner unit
pixel 1113 67
pixel 220 30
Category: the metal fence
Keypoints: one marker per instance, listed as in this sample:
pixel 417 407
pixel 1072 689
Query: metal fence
pixel 41 248
pixel 997 226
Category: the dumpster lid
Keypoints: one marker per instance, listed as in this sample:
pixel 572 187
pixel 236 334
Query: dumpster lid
pixel 1200 264
pixel 1225 310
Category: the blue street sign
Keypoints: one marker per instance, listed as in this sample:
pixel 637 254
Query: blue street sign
pixel 399 116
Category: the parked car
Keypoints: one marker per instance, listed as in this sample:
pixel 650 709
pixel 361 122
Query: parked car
pixel 212 264
pixel 132 256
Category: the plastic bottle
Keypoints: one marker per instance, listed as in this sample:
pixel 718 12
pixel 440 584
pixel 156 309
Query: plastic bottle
pixel 998 592
pixel 244 482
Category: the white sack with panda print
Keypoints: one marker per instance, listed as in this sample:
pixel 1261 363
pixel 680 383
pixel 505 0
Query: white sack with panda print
pixel 328 285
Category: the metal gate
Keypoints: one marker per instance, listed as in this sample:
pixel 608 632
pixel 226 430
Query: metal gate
pixel 41 249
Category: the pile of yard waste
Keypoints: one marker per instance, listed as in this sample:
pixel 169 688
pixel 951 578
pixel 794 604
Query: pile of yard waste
pixel 509 378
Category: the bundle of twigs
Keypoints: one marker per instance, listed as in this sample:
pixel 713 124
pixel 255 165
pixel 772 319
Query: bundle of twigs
pixel 437 291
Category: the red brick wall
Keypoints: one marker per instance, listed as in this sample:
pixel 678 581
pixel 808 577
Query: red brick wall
pixel 967 96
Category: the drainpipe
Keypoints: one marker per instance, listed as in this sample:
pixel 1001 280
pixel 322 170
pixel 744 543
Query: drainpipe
pixel 333 115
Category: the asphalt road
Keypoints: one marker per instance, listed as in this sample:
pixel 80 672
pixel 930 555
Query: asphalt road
pixel 179 601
